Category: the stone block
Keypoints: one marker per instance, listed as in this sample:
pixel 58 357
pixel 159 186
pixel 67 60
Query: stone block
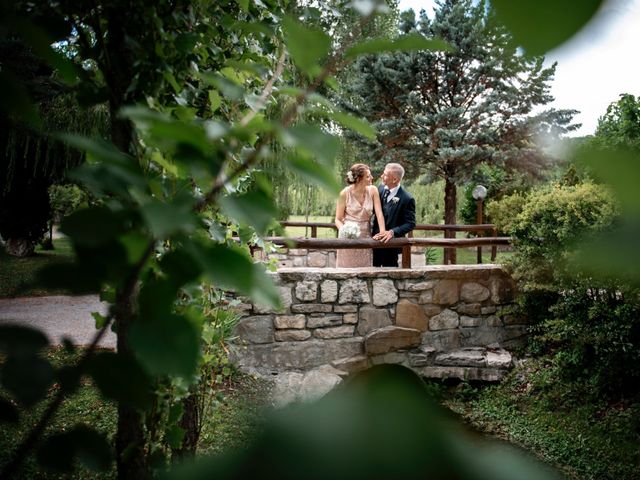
pixel 289 321
pixel 306 291
pixel 384 292
pixel 499 359
pixel 324 321
pixel 354 291
pixel 470 321
pixel 430 310
pixel 481 336
pixel 442 340
pixel 411 315
pixel 493 321
pixel 463 373
pixel 469 309
pixel 352 364
pixel 419 286
pixel 446 292
pixel 281 356
pixel 335 332
pixel 391 358
pixel 421 357
pixel 285 297
pixel 426 297
pixel 317 259
pixel 488 310
pixel 328 291
pixel 311 308
pixel 461 358
pixel 350 318
pixel 389 339
pixel 256 329
pixel 345 308
pixel 292 335
pixel 445 320
pixel 474 292
pixel 372 319
pixel 299 261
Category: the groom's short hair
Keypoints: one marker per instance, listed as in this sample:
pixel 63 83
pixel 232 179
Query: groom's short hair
pixel 397 169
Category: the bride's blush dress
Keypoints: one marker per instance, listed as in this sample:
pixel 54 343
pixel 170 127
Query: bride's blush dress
pixel 359 213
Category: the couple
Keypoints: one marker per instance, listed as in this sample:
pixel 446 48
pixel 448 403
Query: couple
pixel 395 214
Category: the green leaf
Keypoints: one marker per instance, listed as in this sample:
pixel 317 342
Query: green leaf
pixel 166 219
pixel 229 89
pixel 185 42
pixel 122 379
pixel 100 320
pixel 243 4
pixel 100 149
pixel 167 131
pixel 356 124
pixel 166 345
pixel 27 378
pixel 17 340
pixel 230 267
pixel 405 43
pixel 90 447
pixel 254 208
pixel 313 172
pixel 306 45
pixel 214 100
pixel 313 140
pixel 541 25
pixel 174 436
pixel 93 226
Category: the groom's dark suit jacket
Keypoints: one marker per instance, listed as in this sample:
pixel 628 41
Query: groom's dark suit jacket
pixel 400 217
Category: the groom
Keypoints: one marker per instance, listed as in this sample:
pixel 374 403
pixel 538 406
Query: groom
pixel 399 211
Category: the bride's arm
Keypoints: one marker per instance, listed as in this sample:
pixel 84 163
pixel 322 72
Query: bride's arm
pixel 341 209
pixel 377 206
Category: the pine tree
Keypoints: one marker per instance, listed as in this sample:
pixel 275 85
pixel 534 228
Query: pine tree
pixel 446 113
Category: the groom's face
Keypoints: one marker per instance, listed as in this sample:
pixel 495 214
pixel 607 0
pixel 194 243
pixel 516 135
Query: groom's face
pixel 390 178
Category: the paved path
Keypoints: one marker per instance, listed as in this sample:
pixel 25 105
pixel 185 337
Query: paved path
pixel 58 317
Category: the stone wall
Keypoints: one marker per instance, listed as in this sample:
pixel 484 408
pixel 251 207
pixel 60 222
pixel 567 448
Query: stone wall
pixel 308 258
pixel 442 321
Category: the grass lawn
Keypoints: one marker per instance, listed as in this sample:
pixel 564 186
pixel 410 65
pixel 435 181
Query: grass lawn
pixel 18 276
pixel 236 416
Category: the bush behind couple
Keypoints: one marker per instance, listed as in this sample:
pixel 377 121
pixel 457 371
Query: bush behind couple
pixel 393 210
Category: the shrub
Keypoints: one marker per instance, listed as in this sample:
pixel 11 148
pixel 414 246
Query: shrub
pixel 592 324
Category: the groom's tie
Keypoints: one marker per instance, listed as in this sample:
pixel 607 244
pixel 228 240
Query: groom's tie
pixel 385 195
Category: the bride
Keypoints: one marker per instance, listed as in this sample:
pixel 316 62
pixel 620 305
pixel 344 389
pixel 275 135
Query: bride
pixel 356 204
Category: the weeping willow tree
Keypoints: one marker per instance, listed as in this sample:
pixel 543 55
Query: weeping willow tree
pixel 31 158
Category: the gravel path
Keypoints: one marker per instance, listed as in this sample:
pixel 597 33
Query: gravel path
pixel 58 317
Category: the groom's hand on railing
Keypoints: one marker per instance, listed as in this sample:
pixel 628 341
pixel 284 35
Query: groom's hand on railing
pixel 384 237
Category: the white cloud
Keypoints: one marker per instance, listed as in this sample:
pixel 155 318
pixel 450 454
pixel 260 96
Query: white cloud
pixel 595 66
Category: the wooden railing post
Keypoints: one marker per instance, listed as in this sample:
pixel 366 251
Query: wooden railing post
pixel 314 231
pixel 406 256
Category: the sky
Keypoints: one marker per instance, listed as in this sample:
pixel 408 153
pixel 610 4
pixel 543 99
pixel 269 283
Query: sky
pixel 595 66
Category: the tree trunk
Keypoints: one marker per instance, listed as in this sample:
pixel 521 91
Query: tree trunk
pixel 19 247
pixel 449 218
pixel 190 423
pixel 131 460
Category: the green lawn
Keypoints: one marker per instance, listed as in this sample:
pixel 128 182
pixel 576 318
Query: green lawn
pixel 236 416
pixel 18 276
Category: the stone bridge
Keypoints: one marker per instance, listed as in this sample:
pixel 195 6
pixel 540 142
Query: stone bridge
pixel 442 321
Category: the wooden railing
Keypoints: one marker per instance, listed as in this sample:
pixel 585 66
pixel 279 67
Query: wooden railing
pixel 404 243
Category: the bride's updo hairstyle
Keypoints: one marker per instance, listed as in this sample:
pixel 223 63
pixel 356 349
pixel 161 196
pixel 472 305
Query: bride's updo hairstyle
pixel 356 172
